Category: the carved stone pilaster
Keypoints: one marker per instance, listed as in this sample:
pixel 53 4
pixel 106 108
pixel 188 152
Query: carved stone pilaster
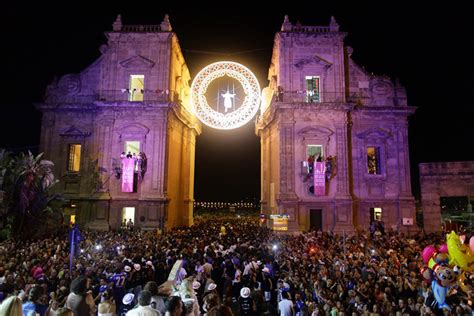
pixel 341 149
pixel 287 159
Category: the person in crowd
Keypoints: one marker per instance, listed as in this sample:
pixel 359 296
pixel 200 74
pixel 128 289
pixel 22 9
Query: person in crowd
pixel 76 300
pixel 11 306
pixel 285 306
pixel 321 272
pixel 174 306
pixel 143 308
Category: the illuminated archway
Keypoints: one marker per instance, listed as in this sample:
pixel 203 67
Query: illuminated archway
pixel 226 120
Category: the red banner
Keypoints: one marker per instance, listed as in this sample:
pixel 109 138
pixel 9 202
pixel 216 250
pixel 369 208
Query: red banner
pixel 128 166
pixel 319 179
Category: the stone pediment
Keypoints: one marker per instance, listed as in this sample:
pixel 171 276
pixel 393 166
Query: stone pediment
pixel 137 62
pixel 73 131
pixel 312 60
pixel 315 132
pixel 375 133
pixel 134 129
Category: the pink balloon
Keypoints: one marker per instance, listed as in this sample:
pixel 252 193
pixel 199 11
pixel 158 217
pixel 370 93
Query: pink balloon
pixel 443 248
pixel 427 253
pixel 471 244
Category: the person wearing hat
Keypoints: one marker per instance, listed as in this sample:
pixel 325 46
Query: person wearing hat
pixel 143 308
pixel 211 288
pixel 127 303
pixel 246 302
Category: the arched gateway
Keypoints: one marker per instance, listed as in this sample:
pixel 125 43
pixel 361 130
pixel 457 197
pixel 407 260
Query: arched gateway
pixel 334 142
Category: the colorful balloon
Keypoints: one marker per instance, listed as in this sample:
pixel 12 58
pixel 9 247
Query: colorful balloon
pixel 460 254
pixel 428 253
pixel 440 295
pixel 443 248
pixel 471 244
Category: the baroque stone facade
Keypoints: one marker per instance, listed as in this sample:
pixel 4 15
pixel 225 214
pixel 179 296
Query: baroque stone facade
pixel 135 95
pixel 443 179
pixel 320 100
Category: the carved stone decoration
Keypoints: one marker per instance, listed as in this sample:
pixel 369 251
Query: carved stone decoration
pixel 382 91
pixel 314 59
pixel 74 132
pixel 70 84
pixel 134 129
pixel 137 62
pixel 103 49
pixel 375 133
pixel 316 132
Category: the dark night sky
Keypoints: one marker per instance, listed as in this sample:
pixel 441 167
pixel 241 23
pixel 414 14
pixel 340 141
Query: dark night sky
pixel 429 51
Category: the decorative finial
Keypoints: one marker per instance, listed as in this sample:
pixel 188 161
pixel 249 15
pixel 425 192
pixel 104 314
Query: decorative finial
pixel 165 24
pixel 286 26
pixel 333 26
pixel 117 25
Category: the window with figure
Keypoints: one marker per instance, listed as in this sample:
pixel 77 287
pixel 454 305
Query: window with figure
pixel 314 153
pixel 312 89
pixel 373 160
pixel 136 87
pixel 74 158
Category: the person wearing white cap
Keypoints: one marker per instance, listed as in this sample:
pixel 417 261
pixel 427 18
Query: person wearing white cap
pixel 190 300
pixel 127 303
pixel 143 309
pixel 246 302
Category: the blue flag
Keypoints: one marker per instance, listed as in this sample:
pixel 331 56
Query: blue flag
pixel 75 238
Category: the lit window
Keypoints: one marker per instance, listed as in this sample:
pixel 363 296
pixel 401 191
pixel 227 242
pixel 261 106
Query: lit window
pixel 312 89
pixel 137 85
pixel 313 153
pixel 132 147
pixel 315 150
pixel 74 161
pixel 373 160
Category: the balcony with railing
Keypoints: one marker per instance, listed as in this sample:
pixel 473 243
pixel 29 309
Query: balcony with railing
pixel 310 29
pixel 137 95
pixel 309 97
pixel 141 28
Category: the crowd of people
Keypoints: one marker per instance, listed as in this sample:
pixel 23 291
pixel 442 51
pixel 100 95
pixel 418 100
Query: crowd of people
pixel 222 266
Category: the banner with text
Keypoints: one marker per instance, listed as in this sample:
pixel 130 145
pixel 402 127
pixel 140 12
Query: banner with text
pixel 319 179
pixel 128 166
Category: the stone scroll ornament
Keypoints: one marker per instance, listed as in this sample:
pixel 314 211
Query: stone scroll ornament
pixel 70 84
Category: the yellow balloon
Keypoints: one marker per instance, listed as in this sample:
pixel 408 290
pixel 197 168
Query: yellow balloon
pixel 459 253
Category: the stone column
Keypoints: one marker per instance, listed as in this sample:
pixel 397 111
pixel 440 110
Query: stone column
pixel 343 203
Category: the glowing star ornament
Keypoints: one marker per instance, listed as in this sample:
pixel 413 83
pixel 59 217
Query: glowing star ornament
pixel 229 119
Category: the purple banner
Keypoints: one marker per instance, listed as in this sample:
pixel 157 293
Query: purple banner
pixel 319 179
pixel 128 166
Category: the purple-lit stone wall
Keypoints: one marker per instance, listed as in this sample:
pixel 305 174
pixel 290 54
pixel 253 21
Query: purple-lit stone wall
pixel 357 110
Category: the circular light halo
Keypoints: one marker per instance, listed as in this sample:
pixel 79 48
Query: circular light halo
pixel 234 119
